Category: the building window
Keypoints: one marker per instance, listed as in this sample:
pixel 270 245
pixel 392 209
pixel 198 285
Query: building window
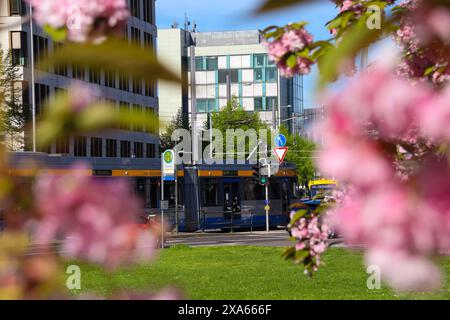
pixel 151 151
pixel 137 112
pixel 150 88
pixel 42 93
pixel 60 69
pixel 124 82
pixel 111 148
pixel 78 72
pixel 63 146
pixel 271 102
pixel 40 48
pixel 135 8
pixel 234 76
pixel 258 60
pixel 148 41
pixel 19 48
pixel 137 85
pixel 199 65
pixel 211 63
pixel 206 105
pixel 94 75
pixel 16 7
pixel 124 108
pixel 150 112
pixel 96 147
pixel 135 35
pixel 138 149
pixel 258 104
pixel 271 75
pixel 110 79
pixel 258 75
pixel 125 149
pixel 80 146
pixel 148 11
pixel 210 193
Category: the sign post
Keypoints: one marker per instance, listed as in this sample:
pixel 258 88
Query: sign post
pixel 167 174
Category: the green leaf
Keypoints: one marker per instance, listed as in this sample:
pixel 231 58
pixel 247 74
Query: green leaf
pixel 291 62
pixel 270 5
pixel 353 41
pixel 298 215
pixel 289 254
pixel 113 55
pixel 58 35
pixel 301 255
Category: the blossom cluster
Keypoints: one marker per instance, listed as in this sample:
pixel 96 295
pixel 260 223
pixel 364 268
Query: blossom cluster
pixel 402 220
pixel 424 37
pixel 92 219
pixel 311 236
pixel 82 19
pixel 286 51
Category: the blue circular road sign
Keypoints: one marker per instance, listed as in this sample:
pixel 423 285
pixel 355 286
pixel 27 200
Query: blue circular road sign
pixel 280 140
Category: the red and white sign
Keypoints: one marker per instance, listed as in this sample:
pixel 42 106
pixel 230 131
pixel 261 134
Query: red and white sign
pixel 281 153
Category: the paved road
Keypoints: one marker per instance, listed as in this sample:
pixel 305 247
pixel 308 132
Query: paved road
pixel 278 238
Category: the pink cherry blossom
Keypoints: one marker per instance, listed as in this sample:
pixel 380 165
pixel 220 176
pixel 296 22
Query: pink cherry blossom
pixel 95 219
pixel 83 19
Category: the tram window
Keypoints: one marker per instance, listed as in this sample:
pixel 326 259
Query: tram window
pixel 274 191
pixel 210 193
pixel 253 191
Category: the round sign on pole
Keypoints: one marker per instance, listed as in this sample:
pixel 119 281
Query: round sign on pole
pixel 280 140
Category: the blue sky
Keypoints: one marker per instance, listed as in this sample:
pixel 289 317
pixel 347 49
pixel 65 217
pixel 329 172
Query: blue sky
pixel 217 15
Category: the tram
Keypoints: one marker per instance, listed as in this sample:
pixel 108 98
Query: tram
pixel 203 197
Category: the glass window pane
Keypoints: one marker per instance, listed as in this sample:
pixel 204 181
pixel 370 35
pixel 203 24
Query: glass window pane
pixel 211 63
pixel 258 75
pixel 202 105
pixel 271 74
pixel 271 102
pixel 258 104
pixel 199 64
pixel 258 60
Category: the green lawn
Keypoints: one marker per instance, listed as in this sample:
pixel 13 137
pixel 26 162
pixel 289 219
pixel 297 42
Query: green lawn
pixel 245 272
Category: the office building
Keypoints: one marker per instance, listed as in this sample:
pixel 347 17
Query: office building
pixel 237 55
pixel 122 90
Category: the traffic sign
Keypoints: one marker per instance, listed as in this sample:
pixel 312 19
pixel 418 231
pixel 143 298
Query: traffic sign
pixel 168 165
pixel 280 140
pixel 281 153
pixel 266 208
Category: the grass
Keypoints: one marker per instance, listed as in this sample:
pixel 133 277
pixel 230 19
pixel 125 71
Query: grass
pixel 246 272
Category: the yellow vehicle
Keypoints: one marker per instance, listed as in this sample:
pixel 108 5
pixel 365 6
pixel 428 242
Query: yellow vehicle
pixel 321 187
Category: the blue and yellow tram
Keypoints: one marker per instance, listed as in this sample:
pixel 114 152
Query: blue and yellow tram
pixel 222 196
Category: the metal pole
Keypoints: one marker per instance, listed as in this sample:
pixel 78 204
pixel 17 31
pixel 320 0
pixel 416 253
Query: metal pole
pixel 161 204
pixel 176 199
pixel 267 210
pixel 193 104
pixel 274 118
pixel 228 88
pixel 33 93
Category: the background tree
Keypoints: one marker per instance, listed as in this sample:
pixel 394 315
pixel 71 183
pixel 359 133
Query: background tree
pixel 180 121
pixel 233 116
pixel 301 152
pixel 13 113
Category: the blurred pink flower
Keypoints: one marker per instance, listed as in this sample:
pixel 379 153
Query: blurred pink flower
pixel 376 130
pixel 83 19
pixel 404 272
pixel 95 219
